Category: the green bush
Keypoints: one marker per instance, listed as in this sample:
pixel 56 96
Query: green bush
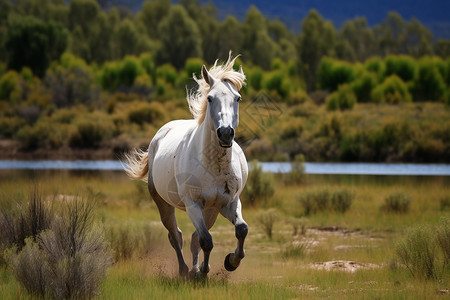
pixel 396 202
pixel 375 65
pixel 429 84
pixel 193 66
pixel 259 187
pixel 341 200
pixel 392 90
pixel 363 86
pixel 401 65
pixel 148 65
pixel 33 137
pixel 418 252
pixel 315 201
pixel 323 200
pixel 146 113
pixel 344 98
pixel 278 82
pixel 90 132
pixel 168 73
pixel 10 125
pixel 255 78
pixel 122 74
pixel 333 73
pixel 267 220
pixel 10 87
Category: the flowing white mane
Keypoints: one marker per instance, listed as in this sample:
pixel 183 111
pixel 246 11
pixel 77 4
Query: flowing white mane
pixel 197 100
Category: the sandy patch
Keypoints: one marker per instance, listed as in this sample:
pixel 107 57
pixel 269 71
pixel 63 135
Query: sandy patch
pixel 342 265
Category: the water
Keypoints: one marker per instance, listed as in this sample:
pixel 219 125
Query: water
pixel 281 167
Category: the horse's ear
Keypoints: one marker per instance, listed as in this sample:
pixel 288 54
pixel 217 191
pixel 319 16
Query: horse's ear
pixel 208 78
pixel 240 70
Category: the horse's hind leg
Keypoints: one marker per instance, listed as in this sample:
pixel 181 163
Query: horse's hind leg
pixel 169 221
pixel 234 214
pixel 210 217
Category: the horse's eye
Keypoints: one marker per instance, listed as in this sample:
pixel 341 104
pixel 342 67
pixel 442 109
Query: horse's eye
pixel 239 99
pixel 210 98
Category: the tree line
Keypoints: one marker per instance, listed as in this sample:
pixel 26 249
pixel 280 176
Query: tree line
pixel 36 32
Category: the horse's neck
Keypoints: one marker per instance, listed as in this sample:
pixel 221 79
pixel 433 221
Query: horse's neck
pixel 215 159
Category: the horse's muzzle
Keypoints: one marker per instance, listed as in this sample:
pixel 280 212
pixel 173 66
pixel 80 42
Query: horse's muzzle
pixel 225 136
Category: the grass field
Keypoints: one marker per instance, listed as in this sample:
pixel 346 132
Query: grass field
pixel 333 255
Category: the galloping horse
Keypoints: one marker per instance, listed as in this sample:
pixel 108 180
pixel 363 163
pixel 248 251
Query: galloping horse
pixel 196 166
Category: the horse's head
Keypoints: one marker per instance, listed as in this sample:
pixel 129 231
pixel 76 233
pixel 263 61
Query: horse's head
pixel 223 107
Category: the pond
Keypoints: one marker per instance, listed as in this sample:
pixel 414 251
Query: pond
pixel 275 167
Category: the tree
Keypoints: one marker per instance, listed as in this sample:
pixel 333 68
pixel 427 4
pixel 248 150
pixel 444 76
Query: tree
pixel 152 13
pixel 31 42
pixel 389 33
pixel 416 40
pixel 256 38
pixel 231 36
pixel 359 37
pixel 442 48
pixel 317 39
pixel 180 37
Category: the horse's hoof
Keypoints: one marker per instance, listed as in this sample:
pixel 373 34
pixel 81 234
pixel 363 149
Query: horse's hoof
pixel 228 266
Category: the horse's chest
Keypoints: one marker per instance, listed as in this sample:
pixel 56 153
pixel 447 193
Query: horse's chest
pixel 220 192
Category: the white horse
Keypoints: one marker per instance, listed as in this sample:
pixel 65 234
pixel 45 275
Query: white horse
pixel 196 166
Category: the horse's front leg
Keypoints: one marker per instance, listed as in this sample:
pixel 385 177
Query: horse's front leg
pixel 233 213
pixel 195 213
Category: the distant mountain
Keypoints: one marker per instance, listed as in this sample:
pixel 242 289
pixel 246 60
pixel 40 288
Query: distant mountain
pixel 434 14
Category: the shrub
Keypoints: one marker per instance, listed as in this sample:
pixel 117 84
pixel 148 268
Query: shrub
pixel 32 137
pixel 315 201
pixel 255 78
pixel 22 220
pixel 418 252
pixel 392 90
pixel 10 125
pixel 148 65
pixel 146 113
pixel 168 73
pixel 341 200
pixel 278 82
pixel 332 74
pixel 260 186
pixel 267 219
pixel 344 98
pixel 429 84
pixel 10 87
pixel 67 261
pixel 90 132
pixel 375 65
pixel 324 200
pixel 363 86
pixel 193 66
pixel 403 66
pixel 397 202
pixel 297 250
pixel 297 172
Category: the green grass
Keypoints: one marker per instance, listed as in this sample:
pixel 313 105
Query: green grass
pixel 277 268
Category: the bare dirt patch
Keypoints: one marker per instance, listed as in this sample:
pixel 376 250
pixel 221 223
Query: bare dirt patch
pixel 342 265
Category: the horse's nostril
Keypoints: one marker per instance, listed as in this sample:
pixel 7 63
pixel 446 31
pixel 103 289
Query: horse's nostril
pixel 219 133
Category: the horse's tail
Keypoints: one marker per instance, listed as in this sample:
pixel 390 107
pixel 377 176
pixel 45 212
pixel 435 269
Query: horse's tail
pixel 135 164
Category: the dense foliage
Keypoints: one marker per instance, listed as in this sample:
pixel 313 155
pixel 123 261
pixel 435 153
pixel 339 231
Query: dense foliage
pixel 74 76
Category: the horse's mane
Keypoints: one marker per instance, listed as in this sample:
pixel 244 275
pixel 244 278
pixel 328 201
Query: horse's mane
pixel 197 100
